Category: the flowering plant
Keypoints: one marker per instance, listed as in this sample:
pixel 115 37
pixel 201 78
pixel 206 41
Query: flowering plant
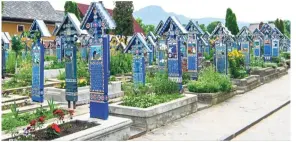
pixel 53 130
pixel 236 64
pixel 59 114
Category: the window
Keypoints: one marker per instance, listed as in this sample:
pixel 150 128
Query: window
pixel 20 28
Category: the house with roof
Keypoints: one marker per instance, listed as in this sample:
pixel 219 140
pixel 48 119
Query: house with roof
pixel 18 16
pixel 83 9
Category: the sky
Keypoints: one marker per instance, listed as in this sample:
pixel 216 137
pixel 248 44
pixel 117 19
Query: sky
pixel 245 10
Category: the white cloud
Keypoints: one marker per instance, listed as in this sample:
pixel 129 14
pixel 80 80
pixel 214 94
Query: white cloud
pixel 245 10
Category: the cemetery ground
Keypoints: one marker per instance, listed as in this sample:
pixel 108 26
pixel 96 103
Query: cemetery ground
pixel 207 115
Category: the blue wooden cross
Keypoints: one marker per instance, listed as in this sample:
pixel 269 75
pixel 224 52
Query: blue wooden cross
pixel 174 56
pixel 138 63
pixel 192 56
pixel 99 68
pixel 37 67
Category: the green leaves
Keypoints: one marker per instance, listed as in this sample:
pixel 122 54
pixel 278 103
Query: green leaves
pixel 212 26
pixel 210 81
pixel 71 7
pixel 123 17
pixel 230 22
pixel 14 110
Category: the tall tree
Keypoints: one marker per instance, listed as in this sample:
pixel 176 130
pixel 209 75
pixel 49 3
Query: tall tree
pixel 123 16
pixel 287 24
pixel 146 28
pixel 212 26
pixel 279 23
pixel 72 7
pixel 203 27
pixel 228 15
pixel 16 46
pixel 282 26
pixel 230 22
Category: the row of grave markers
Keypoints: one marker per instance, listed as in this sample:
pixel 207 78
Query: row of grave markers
pixel 168 48
pixel 95 23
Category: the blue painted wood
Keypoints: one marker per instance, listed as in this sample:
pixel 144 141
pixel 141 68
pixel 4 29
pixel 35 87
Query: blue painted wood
pixel 246 51
pixel 99 60
pixel 138 63
pixel 275 48
pixel 58 49
pixel 257 48
pixel 192 56
pixel 267 49
pixel 37 72
pixel 221 58
pixel 162 55
pixel 174 56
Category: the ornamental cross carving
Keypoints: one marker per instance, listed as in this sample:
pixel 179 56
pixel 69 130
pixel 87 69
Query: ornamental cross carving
pixel 136 49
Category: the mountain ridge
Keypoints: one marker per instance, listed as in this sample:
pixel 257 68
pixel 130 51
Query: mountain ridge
pixel 152 14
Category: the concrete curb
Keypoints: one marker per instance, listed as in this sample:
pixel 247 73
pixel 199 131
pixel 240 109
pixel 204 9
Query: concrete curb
pixel 228 138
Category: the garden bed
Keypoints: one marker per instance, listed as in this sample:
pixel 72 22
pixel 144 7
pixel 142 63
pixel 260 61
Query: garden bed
pixel 269 74
pixel 158 115
pixel 76 126
pixel 248 83
pixel 19 90
pixel 213 98
pixel 58 95
pixel 113 129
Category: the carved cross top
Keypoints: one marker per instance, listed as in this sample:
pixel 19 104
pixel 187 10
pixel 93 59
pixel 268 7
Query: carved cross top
pixel 136 49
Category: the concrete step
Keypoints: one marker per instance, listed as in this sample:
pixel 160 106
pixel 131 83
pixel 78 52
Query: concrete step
pixel 19 103
pixel 136 132
pixel 12 98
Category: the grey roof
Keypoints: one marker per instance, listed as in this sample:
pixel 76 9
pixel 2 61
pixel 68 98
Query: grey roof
pixel 253 26
pixel 203 41
pixel 75 23
pixel 177 24
pixel 152 35
pixel 30 10
pixel 102 12
pixel 160 24
pixel 196 26
pixel 41 27
pixel 244 29
pixel 224 30
pixel 4 38
pixel 151 40
pixel 141 38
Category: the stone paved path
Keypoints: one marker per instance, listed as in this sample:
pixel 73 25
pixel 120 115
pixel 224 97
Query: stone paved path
pixel 222 120
pixel 276 127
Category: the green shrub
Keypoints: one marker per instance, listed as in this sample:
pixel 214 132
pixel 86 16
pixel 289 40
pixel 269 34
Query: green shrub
pixel 162 85
pixel 256 61
pixel 236 64
pixel 120 63
pixel 50 58
pixel 210 82
pixel 55 64
pixel 185 77
pixel 145 101
pixel 285 55
pixel 273 65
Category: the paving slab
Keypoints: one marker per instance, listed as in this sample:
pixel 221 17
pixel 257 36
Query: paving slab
pixel 273 128
pixel 225 119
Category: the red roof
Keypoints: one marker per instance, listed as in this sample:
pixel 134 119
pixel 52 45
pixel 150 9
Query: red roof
pixel 83 9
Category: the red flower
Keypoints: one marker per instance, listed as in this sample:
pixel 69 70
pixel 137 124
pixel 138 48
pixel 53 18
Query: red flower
pixel 41 119
pixel 29 127
pixel 56 127
pixel 33 122
pixel 60 113
pixel 71 112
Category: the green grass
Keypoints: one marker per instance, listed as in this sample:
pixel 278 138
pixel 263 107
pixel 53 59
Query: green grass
pixel 9 122
pixel 145 101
